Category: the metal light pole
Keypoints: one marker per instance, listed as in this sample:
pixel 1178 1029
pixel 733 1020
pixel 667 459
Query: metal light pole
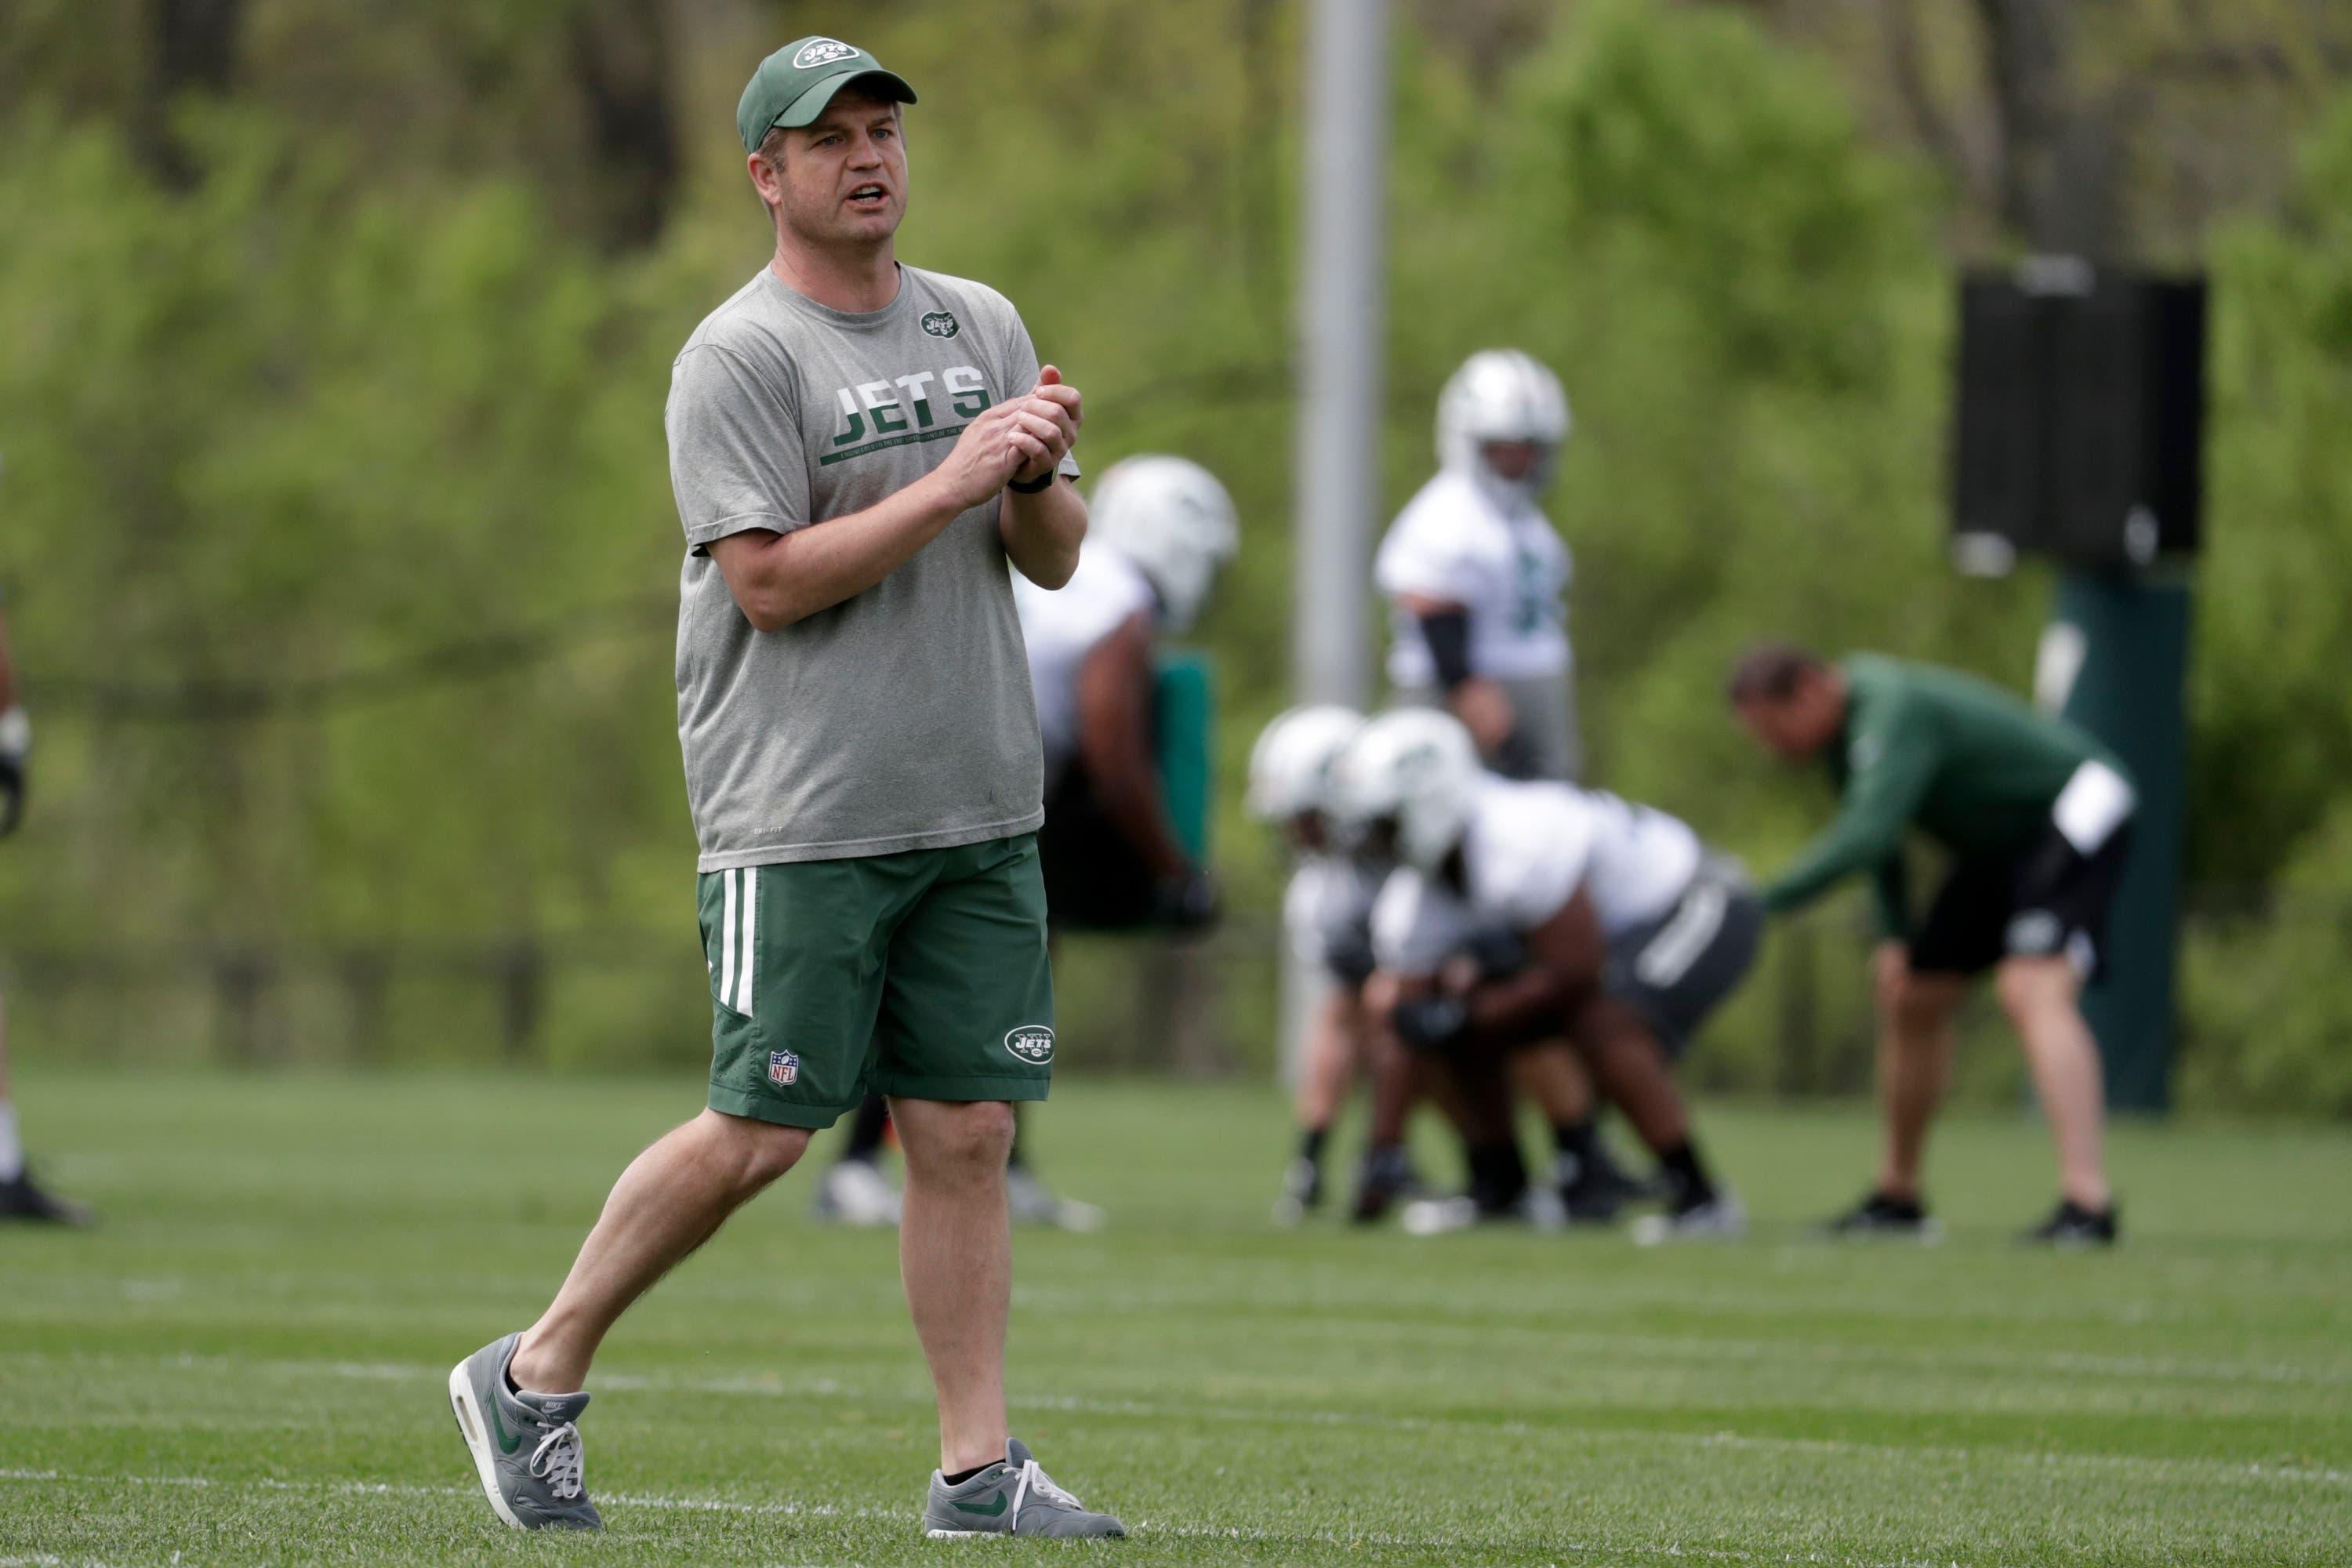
pixel 1340 320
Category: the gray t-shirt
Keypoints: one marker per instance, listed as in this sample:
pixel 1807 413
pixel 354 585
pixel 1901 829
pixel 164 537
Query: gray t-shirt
pixel 899 719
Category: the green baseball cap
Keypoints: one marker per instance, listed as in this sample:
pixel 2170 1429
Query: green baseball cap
pixel 792 85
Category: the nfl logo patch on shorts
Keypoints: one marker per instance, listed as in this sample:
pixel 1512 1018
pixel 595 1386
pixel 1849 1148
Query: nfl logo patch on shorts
pixel 784 1068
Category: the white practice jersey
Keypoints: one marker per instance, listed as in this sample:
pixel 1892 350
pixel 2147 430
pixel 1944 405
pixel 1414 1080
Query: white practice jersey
pixel 1327 913
pixel 1506 567
pixel 1527 850
pixel 1063 627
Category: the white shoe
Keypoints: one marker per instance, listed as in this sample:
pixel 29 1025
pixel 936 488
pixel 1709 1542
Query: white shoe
pixel 856 1192
pixel 1538 1208
pixel 1033 1203
pixel 1721 1219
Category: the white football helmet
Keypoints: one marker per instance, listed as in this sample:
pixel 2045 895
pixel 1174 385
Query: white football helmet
pixel 1502 395
pixel 1290 766
pixel 1175 520
pixel 1416 768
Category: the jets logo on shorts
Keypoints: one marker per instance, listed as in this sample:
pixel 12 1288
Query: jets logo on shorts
pixel 784 1068
pixel 941 325
pixel 821 52
pixel 1033 1043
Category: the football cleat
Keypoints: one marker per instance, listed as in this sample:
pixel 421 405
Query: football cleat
pixel 2071 1224
pixel 1879 1216
pixel 1302 1191
pixel 1033 1203
pixel 1718 1216
pixel 855 1192
pixel 23 1198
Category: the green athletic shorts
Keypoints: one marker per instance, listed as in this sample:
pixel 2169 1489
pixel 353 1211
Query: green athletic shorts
pixel 921 974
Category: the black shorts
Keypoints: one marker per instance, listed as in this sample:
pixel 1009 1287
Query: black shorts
pixel 1094 879
pixel 2046 899
pixel 1676 969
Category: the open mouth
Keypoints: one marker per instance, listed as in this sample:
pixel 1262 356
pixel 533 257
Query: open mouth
pixel 868 197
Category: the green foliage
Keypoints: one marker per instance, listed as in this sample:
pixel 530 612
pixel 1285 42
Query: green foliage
pixel 341 550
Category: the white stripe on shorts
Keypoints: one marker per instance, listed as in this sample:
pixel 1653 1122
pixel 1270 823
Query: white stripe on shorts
pixel 1674 950
pixel 727 936
pixel 746 968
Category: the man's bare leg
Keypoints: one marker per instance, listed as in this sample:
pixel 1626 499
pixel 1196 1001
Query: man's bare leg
pixel 1554 1082
pixel 1332 1049
pixel 1914 1064
pixel 1631 1068
pixel 2043 999
pixel 955 1259
pixel 671 1199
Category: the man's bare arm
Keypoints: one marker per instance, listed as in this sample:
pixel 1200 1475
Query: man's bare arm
pixel 1566 956
pixel 1115 743
pixel 779 578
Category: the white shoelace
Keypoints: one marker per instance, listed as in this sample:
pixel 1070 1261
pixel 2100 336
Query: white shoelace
pixel 1034 1479
pixel 558 1461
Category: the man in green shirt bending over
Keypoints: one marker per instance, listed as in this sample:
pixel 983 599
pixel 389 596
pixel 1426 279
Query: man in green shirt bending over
pixel 2037 818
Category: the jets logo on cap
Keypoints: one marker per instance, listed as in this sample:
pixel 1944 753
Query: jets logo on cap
pixel 940 324
pixel 821 52
pixel 1031 1043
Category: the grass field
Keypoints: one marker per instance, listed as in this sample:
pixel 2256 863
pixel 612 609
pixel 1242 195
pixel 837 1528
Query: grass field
pixel 244 1365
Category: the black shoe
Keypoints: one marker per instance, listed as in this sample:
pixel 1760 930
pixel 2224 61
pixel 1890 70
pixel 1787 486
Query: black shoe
pixel 1592 1192
pixel 1383 1177
pixel 1903 1219
pixel 2072 1224
pixel 26 1199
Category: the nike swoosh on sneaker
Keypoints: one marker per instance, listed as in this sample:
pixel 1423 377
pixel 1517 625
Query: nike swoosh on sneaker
pixel 984 1512
pixel 507 1444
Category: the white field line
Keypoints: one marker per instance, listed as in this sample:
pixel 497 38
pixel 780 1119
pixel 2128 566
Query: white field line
pixel 1439 1543
pixel 2224 1472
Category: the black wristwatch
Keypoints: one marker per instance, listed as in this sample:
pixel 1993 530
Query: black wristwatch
pixel 1031 487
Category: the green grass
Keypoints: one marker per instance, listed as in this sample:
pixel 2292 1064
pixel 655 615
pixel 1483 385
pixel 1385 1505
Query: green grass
pixel 245 1364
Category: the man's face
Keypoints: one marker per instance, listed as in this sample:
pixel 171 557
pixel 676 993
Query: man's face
pixel 844 179
pixel 1799 725
pixel 1513 460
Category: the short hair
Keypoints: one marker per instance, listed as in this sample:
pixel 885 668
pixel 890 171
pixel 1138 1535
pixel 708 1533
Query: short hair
pixel 1771 672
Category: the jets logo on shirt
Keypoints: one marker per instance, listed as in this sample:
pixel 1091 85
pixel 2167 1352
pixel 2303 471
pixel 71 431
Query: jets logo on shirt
pixel 941 325
pixel 821 52
pixel 1033 1043
pixel 928 405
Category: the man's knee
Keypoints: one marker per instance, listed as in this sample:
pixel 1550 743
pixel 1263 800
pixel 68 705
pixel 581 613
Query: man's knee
pixel 956 1139
pixel 1919 1003
pixel 2031 989
pixel 755 1152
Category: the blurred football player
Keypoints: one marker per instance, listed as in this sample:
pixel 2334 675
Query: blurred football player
pixel 1161 527
pixel 1627 932
pixel 1327 915
pixel 2037 816
pixel 1475 575
pixel 21 1197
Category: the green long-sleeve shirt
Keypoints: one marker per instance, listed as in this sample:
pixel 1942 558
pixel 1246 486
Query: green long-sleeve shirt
pixel 1965 762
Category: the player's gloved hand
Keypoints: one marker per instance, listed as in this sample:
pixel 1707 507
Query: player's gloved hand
pixel 16 748
pixel 1496 952
pixel 1431 1023
pixel 1189 902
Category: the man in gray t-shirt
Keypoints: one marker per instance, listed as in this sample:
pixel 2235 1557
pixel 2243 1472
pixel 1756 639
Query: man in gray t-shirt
pixel 862 452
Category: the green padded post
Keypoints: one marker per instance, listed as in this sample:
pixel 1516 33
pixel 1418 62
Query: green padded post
pixel 1184 714
pixel 2129 693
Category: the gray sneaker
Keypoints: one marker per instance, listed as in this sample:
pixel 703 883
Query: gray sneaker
pixel 526 1447
pixel 1011 1496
